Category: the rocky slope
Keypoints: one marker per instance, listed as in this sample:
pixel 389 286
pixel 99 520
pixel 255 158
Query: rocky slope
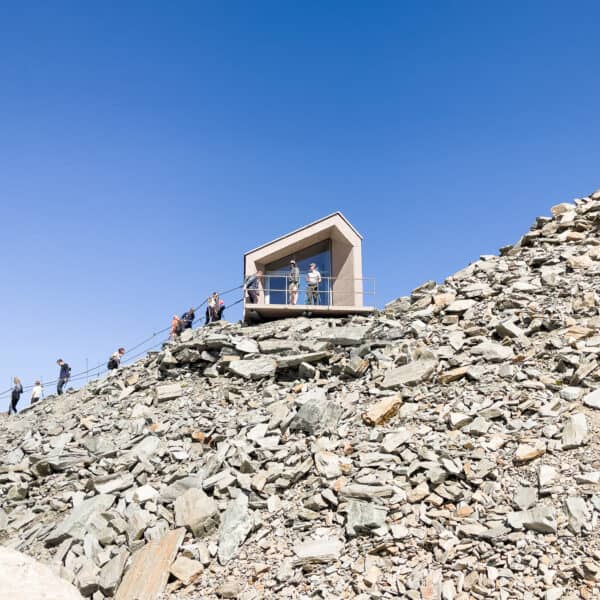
pixel 446 447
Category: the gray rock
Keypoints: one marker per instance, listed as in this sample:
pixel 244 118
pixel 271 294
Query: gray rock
pixel 350 335
pixel 575 431
pixel 364 517
pixel 317 414
pixel 169 391
pixel 492 352
pixel 578 513
pixel 75 525
pixel 460 306
pixel 112 572
pixel 178 488
pixel 235 527
pixel 540 518
pixel 196 511
pixel 318 551
pixel 409 374
pixel 592 399
pixel 509 329
pixel 525 497
pixel 257 368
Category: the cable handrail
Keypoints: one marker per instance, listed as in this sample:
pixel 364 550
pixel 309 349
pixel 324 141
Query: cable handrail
pixel 101 367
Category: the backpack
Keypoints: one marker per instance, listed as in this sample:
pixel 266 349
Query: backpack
pixel 112 363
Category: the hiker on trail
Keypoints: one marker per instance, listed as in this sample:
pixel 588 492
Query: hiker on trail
pixel 313 279
pixel 36 392
pixel 63 376
pixel 187 319
pixel 293 281
pixel 220 310
pixel 115 359
pixel 15 395
pixel 212 308
pixel 251 286
pixel 175 327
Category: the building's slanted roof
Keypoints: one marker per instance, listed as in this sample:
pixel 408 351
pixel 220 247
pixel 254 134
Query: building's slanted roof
pixel 334 214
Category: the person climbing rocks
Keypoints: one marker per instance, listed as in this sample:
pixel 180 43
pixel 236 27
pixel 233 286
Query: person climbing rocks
pixel 63 375
pixel 15 395
pixel 187 319
pixel 36 392
pixel 175 327
pixel 114 362
pixel 212 304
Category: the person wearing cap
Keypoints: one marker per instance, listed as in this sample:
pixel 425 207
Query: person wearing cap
pixel 313 279
pixel 293 281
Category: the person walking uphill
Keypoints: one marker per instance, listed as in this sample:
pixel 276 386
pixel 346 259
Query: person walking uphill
pixel 293 281
pixel 63 375
pixel 36 392
pixel 115 359
pixel 175 327
pixel 187 319
pixel 15 395
pixel 313 279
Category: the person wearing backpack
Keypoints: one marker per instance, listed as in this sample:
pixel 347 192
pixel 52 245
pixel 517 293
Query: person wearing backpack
pixel 251 287
pixel 63 376
pixel 187 319
pixel 15 395
pixel 115 359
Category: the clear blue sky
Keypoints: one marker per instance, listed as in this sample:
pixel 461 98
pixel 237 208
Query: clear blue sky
pixel 145 146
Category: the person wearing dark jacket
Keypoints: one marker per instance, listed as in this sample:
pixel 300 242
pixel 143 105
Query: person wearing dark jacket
pixel 114 361
pixel 63 376
pixel 187 318
pixel 15 396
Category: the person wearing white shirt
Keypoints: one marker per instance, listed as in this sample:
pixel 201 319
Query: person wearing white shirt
pixel 36 392
pixel 313 278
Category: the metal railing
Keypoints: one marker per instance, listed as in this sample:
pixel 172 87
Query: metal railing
pixel 353 291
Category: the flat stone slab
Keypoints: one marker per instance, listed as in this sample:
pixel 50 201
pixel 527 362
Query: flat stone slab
pixel 257 368
pixel 413 372
pixel 318 551
pixel 148 573
pixel 75 525
pixel 350 335
pixel 592 400
pixel 235 527
pixel 168 392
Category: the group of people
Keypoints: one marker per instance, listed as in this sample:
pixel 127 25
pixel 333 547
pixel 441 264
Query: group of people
pixel 64 374
pixel 215 308
pixel 313 279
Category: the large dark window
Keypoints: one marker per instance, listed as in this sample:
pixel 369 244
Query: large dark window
pixel 276 280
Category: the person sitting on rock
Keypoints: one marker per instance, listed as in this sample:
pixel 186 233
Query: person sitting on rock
pixel 115 359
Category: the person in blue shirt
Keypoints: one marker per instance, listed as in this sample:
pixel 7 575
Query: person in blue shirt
pixel 63 376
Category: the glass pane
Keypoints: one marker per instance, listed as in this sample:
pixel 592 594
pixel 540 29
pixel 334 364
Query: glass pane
pixel 276 275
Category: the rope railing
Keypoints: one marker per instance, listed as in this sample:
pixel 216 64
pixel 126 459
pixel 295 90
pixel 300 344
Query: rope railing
pixel 101 369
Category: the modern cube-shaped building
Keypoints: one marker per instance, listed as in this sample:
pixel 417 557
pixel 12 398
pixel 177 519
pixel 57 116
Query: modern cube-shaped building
pixel 334 245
